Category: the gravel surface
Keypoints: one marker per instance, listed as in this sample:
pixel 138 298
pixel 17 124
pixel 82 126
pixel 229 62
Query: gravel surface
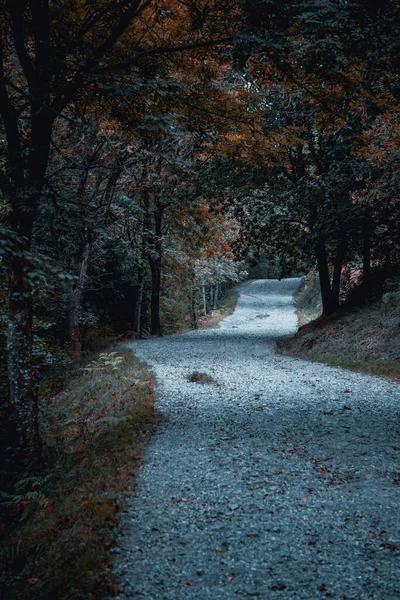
pixel 280 480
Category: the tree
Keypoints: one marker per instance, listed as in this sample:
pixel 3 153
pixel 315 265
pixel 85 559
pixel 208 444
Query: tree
pixel 50 52
pixel 336 65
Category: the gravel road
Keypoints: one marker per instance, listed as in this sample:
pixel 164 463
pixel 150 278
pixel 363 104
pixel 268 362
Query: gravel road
pixel 280 480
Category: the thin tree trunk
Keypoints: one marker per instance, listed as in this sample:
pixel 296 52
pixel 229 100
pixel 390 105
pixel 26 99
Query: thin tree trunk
pixel 337 271
pixel 195 315
pixel 203 289
pixel 366 238
pixel 154 256
pixel 155 321
pixel 137 321
pixel 324 279
pixel 75 301
pixel 216 296
pixel 23 399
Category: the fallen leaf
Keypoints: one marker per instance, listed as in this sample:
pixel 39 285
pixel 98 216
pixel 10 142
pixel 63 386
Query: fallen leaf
pixel 390 546
pixel 231 575
pixel 279 587
pixel 33 580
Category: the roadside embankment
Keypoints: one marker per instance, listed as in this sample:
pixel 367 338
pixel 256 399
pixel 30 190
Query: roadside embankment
pixel 363 339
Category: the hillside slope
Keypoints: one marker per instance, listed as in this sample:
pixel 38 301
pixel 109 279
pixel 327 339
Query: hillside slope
pixel 366 338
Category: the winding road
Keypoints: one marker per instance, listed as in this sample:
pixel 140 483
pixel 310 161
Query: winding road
pixel 281 479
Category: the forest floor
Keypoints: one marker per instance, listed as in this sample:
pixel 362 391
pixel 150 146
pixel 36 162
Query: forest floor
pixel 365 339
pixel 270 476
pixel 57 523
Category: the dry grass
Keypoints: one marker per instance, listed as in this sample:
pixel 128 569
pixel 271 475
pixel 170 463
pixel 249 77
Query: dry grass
pixel 363 339
pixel 62 521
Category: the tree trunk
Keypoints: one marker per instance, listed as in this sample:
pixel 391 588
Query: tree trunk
pixel 23 399
pixel 328 303
pixel 155 321
pixel 195 315
pixel 137 319
pixel 366 238
pixel 154 255
pixel 24 195
pixel 203 289
pixel 75 301
pixel 216 296
pixel 337 271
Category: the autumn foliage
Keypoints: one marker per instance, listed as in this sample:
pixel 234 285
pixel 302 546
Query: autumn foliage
pixel 149 147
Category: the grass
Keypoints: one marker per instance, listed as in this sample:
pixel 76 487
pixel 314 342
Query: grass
pixel 61 521
pixel 390 369
pixel 202 378
pixel 363 339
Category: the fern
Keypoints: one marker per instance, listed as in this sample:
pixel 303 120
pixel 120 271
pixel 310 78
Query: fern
pixel 106 361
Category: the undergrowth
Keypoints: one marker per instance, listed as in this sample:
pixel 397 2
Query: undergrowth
pixel 60 522
pixel 363 338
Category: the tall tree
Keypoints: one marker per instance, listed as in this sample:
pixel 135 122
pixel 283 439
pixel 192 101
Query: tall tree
pixel 50 51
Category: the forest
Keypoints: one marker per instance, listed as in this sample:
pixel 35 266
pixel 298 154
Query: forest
pixel 151 150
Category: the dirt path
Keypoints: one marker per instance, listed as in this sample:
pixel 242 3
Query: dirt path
pixel 281 480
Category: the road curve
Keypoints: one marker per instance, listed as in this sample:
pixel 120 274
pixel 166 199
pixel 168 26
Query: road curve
pixel 280 480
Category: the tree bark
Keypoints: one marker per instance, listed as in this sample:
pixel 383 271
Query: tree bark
pixel 337 271
pixel 216 296
pixel 194 312
pixel 23 399
pixel 155 321
pixel 24 195
pixel 328 303
pixel 203 289
pixel 154 256
pixel 137 319
pixel 366 250
pixel 75 300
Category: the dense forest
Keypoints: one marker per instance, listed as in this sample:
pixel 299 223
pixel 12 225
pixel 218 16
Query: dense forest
pixel 152 149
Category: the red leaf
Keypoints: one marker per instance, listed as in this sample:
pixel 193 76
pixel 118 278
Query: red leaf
pixel 33 580
pixel 231 575
pixel 390 546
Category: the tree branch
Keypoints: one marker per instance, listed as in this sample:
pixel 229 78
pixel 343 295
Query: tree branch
pixel 34 100
pixel 17 9
pixel 65 95
pixel 41 34
pixel 160 50
pixel 10 120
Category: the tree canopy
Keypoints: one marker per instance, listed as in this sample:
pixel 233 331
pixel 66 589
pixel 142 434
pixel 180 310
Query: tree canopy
pixel 147 146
